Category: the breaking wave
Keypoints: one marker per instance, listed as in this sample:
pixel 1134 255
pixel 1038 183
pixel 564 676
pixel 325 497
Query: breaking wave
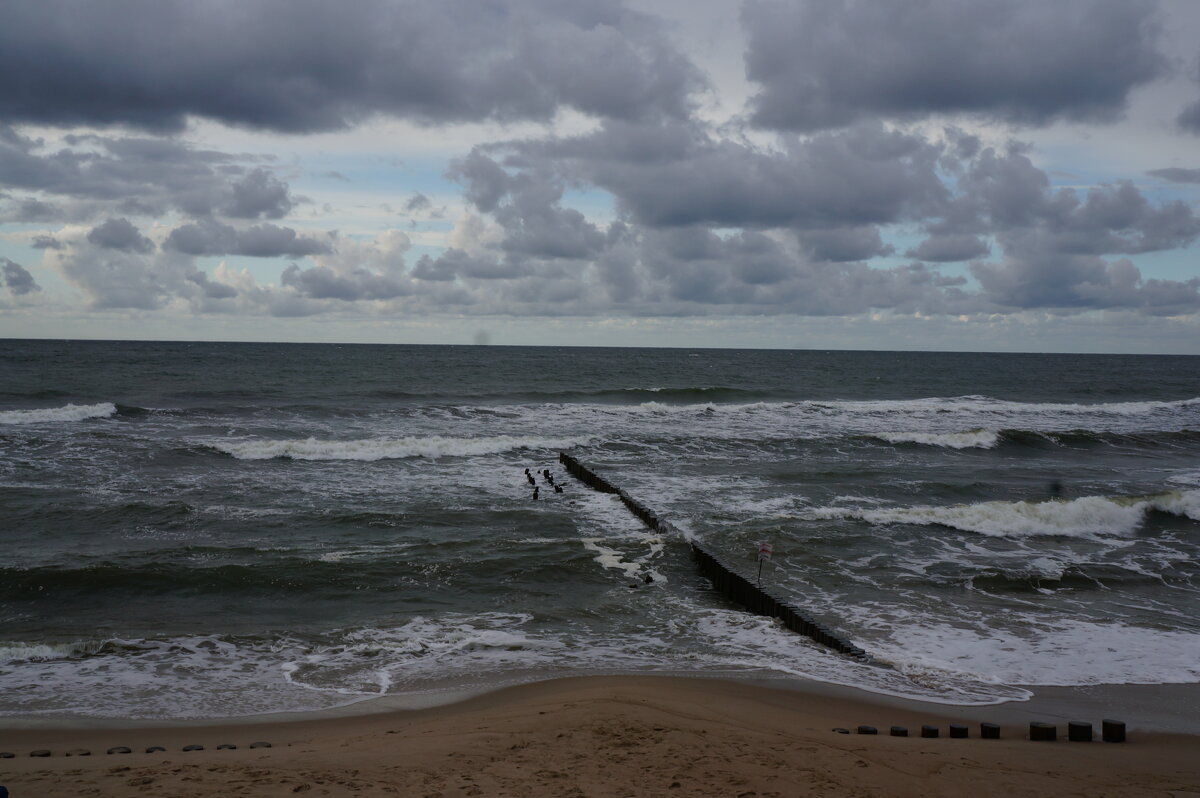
pixel 971 439
pixel 1084 517
pixel 52 414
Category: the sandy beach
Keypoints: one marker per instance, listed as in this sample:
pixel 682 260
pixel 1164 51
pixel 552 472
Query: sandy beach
pixel 608 736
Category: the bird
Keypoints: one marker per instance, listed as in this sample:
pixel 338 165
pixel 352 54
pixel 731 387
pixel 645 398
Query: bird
pixel 558 489
pixel 529 477
pixel 535 492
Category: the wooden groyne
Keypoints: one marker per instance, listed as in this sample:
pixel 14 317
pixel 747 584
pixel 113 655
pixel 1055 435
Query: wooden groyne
pixel 724 579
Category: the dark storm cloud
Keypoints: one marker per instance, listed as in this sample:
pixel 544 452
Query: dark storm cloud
pixel 17 279
pixel 827 63
pixel 1177 175
pixel 119 234
pixel 306 65
pixel 210 237
pixel 101 175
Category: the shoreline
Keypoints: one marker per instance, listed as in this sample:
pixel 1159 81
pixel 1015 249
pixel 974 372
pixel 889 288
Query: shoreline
pixel 614 735
pixel 1172 708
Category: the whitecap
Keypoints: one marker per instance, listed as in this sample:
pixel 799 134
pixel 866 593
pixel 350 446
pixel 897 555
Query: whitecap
pixel 52 414
pixel 971 439
pixel 1088 516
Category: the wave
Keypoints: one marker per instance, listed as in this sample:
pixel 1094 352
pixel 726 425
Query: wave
pixel 984 404
pixel 676 395
pixel 370 449
pixel 980 438
pixel 47 415
pixel 971 439
pixel 1088 516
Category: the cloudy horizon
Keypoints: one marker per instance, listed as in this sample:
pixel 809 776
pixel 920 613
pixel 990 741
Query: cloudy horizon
pixel 830 174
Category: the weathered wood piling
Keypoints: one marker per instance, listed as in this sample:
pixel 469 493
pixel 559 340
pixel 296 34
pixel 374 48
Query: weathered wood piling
pixel 724 579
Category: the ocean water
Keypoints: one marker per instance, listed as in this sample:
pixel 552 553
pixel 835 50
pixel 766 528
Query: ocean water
pixel 213 530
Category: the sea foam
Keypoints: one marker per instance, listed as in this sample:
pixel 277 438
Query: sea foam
pixel 46 415
pixel 971 439
pixel 1084 517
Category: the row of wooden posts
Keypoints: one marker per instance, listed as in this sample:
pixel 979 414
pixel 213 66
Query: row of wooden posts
pixel 724 579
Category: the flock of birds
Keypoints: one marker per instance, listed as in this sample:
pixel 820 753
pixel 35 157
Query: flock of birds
pixel 546 477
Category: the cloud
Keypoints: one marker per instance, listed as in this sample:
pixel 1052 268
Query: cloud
pixel 828 63
pixel 949 248
pixel 120 234
pixel 210 237
pixel 114 278
pixel 1177 175
pixel 306 65
pixel 258 194
pixel 17 280
pixel 94 175
pixel 845 243
pixel 1082 282
pixel 679 175
pixel 1189 118
pixel 707 223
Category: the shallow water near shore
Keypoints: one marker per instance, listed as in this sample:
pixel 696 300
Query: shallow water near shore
pixel 220 530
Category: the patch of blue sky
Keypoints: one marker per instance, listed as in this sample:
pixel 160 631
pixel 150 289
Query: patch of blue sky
pixel 1174 264
pixel 375 175
pixel 597 204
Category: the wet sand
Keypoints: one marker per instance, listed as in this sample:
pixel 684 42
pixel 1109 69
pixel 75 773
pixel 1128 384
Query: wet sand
pixel 612 736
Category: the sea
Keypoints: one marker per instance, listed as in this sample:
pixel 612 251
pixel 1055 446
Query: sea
pixel 228 530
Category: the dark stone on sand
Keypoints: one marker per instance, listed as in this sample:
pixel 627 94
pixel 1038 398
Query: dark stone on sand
pixel 929 731
pixel 842 731
pixel 193 748
pixel 226 747
pixel 867 730
pixel 958 731
pixel 154 749
pixel 119 749
pixel 260 744
pixel 989 731
pixel 40 752
pixel 899 731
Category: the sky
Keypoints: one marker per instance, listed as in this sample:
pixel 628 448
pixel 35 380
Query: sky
pixel 972 175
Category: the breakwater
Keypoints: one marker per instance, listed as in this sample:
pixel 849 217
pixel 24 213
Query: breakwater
pixel 725 580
